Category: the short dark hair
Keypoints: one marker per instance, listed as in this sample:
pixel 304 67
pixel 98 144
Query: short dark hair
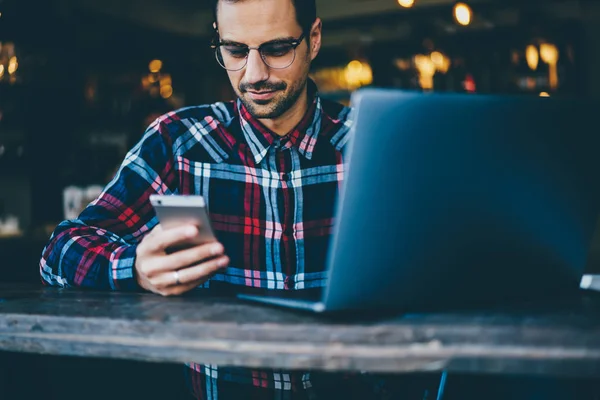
pixel 306 12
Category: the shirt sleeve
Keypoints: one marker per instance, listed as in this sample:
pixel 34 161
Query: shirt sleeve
pixel 98 249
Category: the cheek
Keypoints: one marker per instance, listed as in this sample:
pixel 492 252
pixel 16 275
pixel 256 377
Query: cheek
pixel 291 75
pixel 235 78
pixel 301 65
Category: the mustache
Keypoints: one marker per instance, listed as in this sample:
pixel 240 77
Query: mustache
pixel 262 87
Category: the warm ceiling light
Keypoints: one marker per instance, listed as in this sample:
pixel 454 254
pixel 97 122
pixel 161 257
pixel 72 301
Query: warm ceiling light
pixel 437 58
pixel 549 55
pixel 166 80
pixel 12 65
pixel 155 66
pixel 532 56
pixel 462 14
pixel 426 69
pixel 441 62
pixel 358 74
pixel 544 94
pixel 166 91
pixel 406 3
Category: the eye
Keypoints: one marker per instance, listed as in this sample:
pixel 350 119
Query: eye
pixel 276 49
pixel 235 51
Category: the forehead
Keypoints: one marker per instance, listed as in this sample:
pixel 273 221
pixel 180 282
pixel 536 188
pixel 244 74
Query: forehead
pixel 253 22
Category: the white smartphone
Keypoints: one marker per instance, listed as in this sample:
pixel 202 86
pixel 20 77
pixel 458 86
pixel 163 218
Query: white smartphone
pixel 176 210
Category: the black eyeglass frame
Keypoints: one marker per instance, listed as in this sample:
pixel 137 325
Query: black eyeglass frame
pixel 294 43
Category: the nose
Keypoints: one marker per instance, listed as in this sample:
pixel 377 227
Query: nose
pixel 256 69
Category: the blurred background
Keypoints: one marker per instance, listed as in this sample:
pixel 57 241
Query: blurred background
pixel 80 80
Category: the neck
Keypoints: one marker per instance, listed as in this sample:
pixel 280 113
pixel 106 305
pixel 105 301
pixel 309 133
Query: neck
pixel 292 117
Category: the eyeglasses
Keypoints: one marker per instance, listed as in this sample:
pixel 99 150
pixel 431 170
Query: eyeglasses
pixel 276 54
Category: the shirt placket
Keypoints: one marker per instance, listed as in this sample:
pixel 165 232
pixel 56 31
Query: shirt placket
pixel 286 200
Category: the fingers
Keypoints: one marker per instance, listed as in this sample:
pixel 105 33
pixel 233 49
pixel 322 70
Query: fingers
pixel 198 272
pixel 161 239
pixel 189 278
pixel 184 258
pixel 155 268
pixel 203 271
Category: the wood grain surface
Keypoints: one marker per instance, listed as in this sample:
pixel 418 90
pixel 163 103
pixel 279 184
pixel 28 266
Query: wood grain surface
pixel 226 331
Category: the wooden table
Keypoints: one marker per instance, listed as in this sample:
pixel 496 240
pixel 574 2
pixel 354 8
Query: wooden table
pixel 226 331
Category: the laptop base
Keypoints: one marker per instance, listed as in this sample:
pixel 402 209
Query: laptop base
pixel 314 306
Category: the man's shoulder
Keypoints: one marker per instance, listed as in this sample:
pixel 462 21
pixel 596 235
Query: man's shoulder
pixel 200 116
pixel 202 131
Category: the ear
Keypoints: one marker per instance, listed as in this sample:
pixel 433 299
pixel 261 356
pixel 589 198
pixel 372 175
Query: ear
pixel 315 38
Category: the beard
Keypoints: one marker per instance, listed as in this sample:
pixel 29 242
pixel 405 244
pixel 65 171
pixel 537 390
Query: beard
pixel 276 106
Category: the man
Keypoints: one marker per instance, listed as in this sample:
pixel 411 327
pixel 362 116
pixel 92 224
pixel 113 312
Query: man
pixel 269 166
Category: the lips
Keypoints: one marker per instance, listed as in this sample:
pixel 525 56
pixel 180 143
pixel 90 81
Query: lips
pixel 263 95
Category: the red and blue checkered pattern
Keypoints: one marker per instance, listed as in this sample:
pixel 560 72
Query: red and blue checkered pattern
pixel 271 201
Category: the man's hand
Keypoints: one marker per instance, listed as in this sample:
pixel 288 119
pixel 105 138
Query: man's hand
pixel 179 272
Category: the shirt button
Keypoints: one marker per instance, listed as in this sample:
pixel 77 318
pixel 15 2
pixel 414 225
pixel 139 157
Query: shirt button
pixel 285 177
pixel 288 231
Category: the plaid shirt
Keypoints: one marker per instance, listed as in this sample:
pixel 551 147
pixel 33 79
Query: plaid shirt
pixel 271 203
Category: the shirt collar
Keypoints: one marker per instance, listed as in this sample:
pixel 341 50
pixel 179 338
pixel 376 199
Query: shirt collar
pixel 303 136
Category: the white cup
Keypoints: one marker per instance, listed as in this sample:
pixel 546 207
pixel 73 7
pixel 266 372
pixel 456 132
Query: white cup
pixel 73 198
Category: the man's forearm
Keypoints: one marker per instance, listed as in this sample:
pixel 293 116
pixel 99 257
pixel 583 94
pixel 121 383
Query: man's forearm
pixel 85 256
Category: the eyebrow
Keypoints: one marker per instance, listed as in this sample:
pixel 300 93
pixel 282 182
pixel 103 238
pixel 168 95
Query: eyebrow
pixel 274 41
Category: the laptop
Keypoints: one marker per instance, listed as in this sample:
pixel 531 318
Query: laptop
pixel 460 200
